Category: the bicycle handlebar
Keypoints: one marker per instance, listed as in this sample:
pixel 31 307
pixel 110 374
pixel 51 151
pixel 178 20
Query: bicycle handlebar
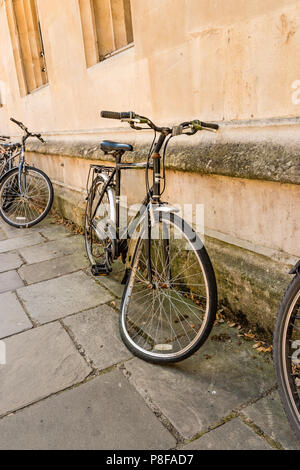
pixel 133 118
pixel 19 123
pixel 114 115
pixel 210 125
pixel 25 129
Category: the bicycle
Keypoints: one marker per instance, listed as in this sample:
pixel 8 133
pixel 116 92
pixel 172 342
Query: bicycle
pixel 286 352
pixel 26 193
pixel 7 152
pixel 169 301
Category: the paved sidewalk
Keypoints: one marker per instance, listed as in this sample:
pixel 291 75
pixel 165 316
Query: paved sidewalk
pixel 69 382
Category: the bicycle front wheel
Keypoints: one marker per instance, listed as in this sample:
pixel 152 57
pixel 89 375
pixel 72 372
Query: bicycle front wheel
pixel 170 300
pixel 287 353
pixel 25 198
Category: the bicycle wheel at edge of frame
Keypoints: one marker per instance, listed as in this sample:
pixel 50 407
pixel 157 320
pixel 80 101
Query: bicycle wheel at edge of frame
pixel 289 301
pixel 208 272
pixel 7 175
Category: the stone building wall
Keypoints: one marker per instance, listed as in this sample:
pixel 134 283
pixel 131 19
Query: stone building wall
pixel 235 62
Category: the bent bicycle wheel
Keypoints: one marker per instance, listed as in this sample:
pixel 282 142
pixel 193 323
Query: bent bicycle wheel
pixel 287 353
pixel 170 300
pixel 26 198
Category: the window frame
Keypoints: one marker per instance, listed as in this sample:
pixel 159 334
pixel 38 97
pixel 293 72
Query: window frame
pixel 93 57
pixel 31 68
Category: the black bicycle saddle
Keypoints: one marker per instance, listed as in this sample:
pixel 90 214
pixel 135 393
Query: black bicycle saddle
pixel 109 146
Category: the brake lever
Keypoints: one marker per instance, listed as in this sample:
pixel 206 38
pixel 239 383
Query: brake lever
pixel 193 131
pixel 133 126
pixel 180 130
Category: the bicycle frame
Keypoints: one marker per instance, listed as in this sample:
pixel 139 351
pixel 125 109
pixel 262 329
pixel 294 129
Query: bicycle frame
pixel 9 160
pixel 21 153
pixel 155 192
pixel 21 166
pixel 115 179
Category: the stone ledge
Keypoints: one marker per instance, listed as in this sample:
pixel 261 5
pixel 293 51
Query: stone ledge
pixel 260 160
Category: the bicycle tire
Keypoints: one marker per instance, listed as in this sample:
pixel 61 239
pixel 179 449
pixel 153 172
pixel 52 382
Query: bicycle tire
pixel 129 327
pixel 40 206
pixel 89 233
pixel 285 337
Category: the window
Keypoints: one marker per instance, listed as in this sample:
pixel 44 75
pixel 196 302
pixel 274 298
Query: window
pixel 27 44
pixel 106 26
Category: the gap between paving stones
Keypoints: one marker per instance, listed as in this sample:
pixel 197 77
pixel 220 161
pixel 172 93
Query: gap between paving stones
pixel 276 445
pixel 34 324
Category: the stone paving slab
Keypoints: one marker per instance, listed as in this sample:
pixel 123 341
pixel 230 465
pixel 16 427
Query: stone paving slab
pixel 9 261
pixel 34 273
pixel 113 281
pixel 105 413
pixel 269 415
pixel 114 286
pixel 198 392
pixel 234 435
pixel 97 332
pixel 12 244
pixel 10 281
pixel 12 316
pixel 51 250
pixel 63 296
pixel 13 232
pixel 55 232
pixel 40 362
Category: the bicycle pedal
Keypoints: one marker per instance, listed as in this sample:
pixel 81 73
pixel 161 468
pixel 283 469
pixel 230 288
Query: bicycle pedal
pixel 100 270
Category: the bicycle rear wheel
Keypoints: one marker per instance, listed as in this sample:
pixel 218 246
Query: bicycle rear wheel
pixel 99 224
pixel 287 353
pixel 4 165
pixel 170 299
pixel 26 198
